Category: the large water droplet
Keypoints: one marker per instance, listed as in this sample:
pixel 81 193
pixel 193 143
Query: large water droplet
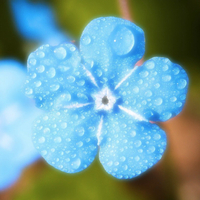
pixel 76 164
pixel 122 40
pixel 60 53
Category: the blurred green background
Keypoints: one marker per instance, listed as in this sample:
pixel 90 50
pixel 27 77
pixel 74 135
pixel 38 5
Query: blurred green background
pixel 172 29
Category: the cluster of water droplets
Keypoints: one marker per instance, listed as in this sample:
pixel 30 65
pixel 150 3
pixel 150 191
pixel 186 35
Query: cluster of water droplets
pixel 111 45
pixel 55 78
pixel 67 140
pixel 131 147
pixel 156 90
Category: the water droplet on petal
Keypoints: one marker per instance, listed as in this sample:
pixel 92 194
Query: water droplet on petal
pixel 181 84
pixel 151 149
pixel 57 140
pixel 122 158
pixel 60 53
pixel 71 79
pixel 76 164
pixel 85 39
pixel 122 40
pixel 40 68
pixel 44 152
pixel 41 140
pixel 54 87
pixel 150 65
pixel 166 78
pixel 51 73
pixel 158 101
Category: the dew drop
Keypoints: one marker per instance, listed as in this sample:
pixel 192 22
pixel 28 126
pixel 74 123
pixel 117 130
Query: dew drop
pixel 71 79
pixel 79 144
pixel 157 136
pixel 57 140
pixel 44 152
pixel 46 130
pixel 181 84
pixel 166 78
pixel 38 83
pixel 76 164
pixel 137 158
pixel 151 149
pixel 157 85
pixel 148 93
pixel 86 39
pixel 51 73
pixel 158 101
pixel 32 61
pixel 150 65
pixel 122 158
pixel 137 143
pixel 63 125
pixel 41 140
pixel 60 53
pixel 144 74
pixel 28 91
pixel 54 87
pixel 173 99
pixel 176 70
pixel 133 133
pixel 135 89
pixel 122 40
pixel 40 68
pixel 165 68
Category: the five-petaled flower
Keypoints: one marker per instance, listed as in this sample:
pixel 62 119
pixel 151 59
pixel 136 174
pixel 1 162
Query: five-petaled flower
pixel 96 99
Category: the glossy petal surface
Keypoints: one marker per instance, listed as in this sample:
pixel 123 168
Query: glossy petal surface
pixel 110 46
pixel 55 78
pixel 35 21
pixel 129 147
pixel 67 140
pixel 156 90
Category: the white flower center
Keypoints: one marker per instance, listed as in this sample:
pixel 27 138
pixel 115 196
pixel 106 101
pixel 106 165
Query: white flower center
pixel 104 100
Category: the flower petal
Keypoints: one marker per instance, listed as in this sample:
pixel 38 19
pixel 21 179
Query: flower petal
pixel 55 78
pixel 156 90
pixel 130 147
pixel 110 46
pixel 67 140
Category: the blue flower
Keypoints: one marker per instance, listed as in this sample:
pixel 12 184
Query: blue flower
pixel 17 113
pixel 95 99
pixel 36 21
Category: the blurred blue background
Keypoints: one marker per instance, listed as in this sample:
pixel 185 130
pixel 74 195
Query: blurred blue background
pixel 172 29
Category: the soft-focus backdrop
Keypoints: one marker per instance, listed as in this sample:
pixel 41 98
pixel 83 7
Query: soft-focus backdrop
pixel 172 29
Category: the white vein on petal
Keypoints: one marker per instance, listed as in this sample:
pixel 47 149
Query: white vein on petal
pixel 99 131
pixel 77 105
pixel 135 115
pixel 89 74
pixel 125 78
